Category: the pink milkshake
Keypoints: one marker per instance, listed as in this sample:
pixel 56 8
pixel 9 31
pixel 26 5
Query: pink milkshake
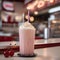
pixel 26 38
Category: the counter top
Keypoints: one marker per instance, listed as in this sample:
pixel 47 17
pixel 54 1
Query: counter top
pixel 52 53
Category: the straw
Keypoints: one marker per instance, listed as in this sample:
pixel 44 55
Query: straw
pixel 23 17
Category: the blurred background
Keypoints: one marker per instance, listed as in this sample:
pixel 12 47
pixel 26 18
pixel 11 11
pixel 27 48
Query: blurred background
pixel 43 14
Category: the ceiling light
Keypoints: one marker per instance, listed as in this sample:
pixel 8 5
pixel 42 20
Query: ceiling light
pixel 30 7
pixel 54 21
pixel 40 4
pixel 31 19
pixel 51 1
pixel 36 12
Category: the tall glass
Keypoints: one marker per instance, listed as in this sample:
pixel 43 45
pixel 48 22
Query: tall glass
pixel 26 38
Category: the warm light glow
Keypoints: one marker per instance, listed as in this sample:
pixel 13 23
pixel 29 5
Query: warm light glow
pixel 36 12
pixel 31 19
pixel 52 1
pixel 53 21
pixel 30 7
pixel 46 0
pixel 41 4
pixel 18 18
pixel 35 3
pixel 26 16
pixel 4 18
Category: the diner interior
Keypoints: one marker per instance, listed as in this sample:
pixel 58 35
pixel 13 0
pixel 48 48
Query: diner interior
pixel 43 15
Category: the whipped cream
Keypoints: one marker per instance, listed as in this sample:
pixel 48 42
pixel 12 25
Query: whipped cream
pixel 27 25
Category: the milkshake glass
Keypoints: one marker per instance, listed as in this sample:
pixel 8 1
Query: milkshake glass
pixel 26 39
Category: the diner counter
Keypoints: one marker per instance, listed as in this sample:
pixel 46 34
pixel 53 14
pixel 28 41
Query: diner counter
pixel 52 53
pixel 37 42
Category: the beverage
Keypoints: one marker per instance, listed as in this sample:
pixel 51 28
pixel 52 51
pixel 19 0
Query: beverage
pixel 26 38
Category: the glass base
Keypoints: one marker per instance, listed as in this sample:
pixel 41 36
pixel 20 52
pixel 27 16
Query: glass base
pixel 33 55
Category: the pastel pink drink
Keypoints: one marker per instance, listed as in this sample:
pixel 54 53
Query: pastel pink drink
pixel 26 38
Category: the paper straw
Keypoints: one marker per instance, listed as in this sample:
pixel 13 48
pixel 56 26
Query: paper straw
pixel 23 17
